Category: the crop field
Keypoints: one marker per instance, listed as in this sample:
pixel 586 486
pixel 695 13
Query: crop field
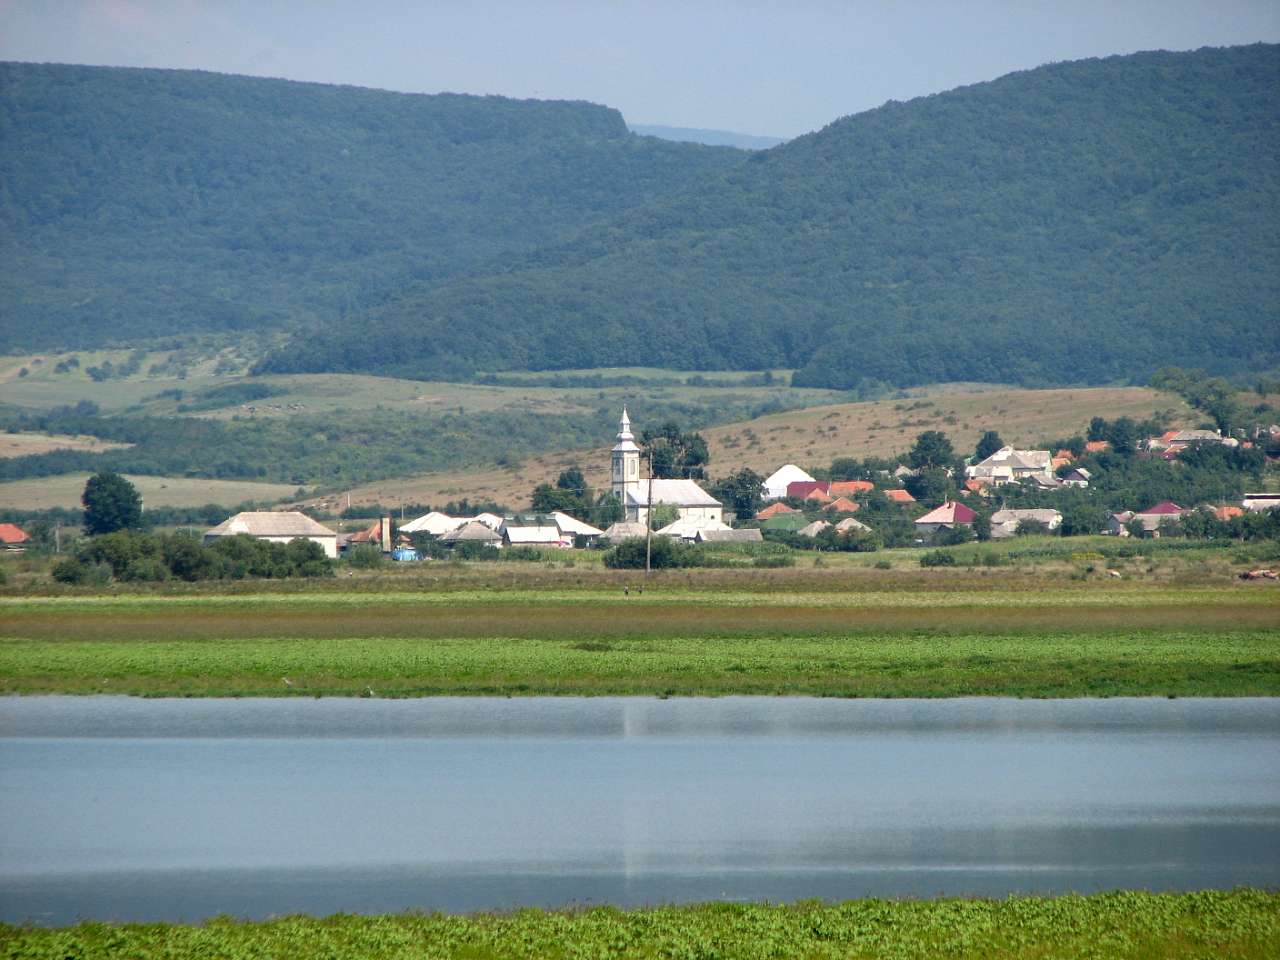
pixel 598 634
pixel 814 435
pixel 65 490
pixel 1240 924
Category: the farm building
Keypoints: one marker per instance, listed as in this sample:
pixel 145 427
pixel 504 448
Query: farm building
pixel 473 531
pixel 729 536
pixel 688 528
pixel 434 523
pixel 850 525
pixel 539 536
pixel 775 485
pixel 624 530
pixel 277 527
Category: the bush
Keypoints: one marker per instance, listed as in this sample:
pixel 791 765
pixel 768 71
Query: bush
pixel 883 565
pixel 146 570
pixel 666 553
pixel 75 571
pixel 365 556
pixel 937 558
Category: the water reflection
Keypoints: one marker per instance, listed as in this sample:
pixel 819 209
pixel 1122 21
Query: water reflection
pixel 139 809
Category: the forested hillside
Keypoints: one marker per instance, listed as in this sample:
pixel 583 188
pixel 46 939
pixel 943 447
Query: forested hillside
pixel 1081 222
pixel 142 202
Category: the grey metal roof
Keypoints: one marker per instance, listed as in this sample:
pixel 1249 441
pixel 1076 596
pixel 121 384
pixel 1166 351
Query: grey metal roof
pixel 271 523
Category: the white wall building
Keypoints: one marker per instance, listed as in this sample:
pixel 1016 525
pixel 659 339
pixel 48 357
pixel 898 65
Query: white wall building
pixel 775 485
pixel 638 493
pixel 277 527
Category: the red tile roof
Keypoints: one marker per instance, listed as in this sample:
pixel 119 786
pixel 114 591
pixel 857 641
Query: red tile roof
pixel 843 505
pixel 773 510
pixel 899 496
pixel 949 512
pixel 1093 446
pixel 802 488
pixel 11 533
pixel 1226 513
pixel 847 488
pixel 1164 508
pixel 818 495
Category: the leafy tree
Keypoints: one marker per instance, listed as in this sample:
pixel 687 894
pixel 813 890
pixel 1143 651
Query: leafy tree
pixel 1124 435
pixel 932 450
pixel 663 514
pixel 930 486
pixel 987 445
pixel 110 503
pixel 741 492
pixel 676 455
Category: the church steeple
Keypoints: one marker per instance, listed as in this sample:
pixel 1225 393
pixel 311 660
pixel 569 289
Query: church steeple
pixel 625 473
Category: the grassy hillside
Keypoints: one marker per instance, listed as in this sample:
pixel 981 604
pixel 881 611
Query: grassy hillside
pixel 1080 222
pixel 810 436
pixel 144 203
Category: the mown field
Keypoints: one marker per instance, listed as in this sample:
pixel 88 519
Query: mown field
pixel 65 490
pixel 867 633
pixel 1243 924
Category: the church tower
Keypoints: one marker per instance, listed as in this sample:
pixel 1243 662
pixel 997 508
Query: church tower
pixel 625 475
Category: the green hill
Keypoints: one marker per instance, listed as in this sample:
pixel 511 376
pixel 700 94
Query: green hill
pixel 1080 222
pixel 136 203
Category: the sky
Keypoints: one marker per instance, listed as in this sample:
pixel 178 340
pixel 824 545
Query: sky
pixel 764 68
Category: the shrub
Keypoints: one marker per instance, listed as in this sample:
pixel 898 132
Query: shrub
pixel 666 553
pixel 883 565
pixel 147 570
pixel 365 556
pixel 937 558
pixel 75 571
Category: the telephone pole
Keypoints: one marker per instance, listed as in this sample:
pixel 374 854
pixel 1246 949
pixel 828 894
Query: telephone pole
pixel 648 522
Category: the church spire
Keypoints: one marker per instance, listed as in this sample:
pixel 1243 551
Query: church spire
pixel 625 461
pixel 624 426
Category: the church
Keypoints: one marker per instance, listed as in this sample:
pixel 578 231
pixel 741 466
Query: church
pixel 696 507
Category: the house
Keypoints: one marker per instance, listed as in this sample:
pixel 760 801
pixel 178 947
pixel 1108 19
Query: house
pixel 13 537
pixel 946 517
pixel 688 528
pixel 573 528
pixel 1004 523
pixel 1228 513
pixel 378 534
pixel 801 489
pixel 1150 519
pixel 473 531
pixel 843 505
pixel 899 496
pixel 1008 465
pixel 1076 477
pixel 535 536
pixel 817 496
pixel 729 536
pixel 773 510
pixel 434 523
pixel 775 485
pixel 624 530
pixel 639 495
pixel 850 488
pixel 813 529
pixel 490 520
pixel 1260 501
pixel 274 526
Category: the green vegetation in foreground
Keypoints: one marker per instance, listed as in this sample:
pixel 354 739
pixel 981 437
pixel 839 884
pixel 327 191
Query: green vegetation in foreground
pixel 1011 639
pixel 1240 924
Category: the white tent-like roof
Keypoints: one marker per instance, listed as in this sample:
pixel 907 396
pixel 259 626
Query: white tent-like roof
pixel 573 526
pixel 775 485
pixel 533 536
pixel 490 520
pixel 271 523
pixel 435 523
pixel 813 529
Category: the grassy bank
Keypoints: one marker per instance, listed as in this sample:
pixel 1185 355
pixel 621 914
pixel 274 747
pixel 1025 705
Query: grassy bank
pixel 1241 924
pixel 882 636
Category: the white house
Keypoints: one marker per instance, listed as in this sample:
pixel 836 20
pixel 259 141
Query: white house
pixel 540 536
pixel 1007 465
pixel 775 485
pixel 687 528
pixel 277 527
pixel 435 523
pixel 639 494
pixel 1004 523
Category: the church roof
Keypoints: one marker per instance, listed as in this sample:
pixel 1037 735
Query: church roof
pixel 626 441
pixel 677 493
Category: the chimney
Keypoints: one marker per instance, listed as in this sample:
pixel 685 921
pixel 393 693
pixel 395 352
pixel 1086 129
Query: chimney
pixel 384 535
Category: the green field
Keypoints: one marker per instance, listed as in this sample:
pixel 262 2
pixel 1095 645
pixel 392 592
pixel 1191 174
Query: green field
pixel 1243 924
pixel 568 632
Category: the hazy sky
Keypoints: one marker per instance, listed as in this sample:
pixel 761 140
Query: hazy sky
pixel 770 68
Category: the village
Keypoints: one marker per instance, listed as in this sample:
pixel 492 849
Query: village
pixel 795 507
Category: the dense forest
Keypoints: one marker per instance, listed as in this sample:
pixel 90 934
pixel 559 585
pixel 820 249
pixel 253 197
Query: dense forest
pixel 1080 222
pixel 137 203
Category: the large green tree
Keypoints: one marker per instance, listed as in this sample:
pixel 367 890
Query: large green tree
pixel 741 492
pixel 111 503
pixel 675 454
pixel 987 445
pixel 931 451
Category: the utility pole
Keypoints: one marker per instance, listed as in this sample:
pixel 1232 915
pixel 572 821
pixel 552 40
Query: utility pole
pixel 648 521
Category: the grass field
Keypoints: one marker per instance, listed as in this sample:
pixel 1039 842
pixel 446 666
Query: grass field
pixel 27 444
pixel 41 493
pixel 497 632
pixel 815 435
pixel 1241 924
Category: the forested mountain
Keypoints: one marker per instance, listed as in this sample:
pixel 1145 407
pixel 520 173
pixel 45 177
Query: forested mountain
pixel 1080 222
pixel 143 202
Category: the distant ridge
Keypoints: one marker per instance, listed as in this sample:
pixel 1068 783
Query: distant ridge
pixel 138 203
pixel 712 138
pixel 1083 222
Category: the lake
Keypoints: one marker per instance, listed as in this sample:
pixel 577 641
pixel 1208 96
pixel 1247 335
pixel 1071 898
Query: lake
pixel 119 808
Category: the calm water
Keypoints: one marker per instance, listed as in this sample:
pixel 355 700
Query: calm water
pixel 179 809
